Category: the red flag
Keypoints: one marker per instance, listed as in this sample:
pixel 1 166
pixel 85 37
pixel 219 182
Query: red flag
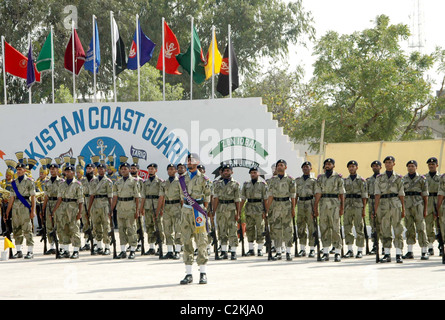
pixel 171 46
pixel 16 63
pixel 79 54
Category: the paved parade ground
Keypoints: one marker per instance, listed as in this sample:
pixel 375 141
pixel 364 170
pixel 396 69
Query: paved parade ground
pixel 248 278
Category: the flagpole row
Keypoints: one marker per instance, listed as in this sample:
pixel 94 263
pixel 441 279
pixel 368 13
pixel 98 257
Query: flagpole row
pixel 52 63
pixel 74 66
pixel 29 57
pixel 94 57
pixel 138 57
pixel 213 61
pixel 230 63
pixel 163 58
pixel 191 61
pixel 4 69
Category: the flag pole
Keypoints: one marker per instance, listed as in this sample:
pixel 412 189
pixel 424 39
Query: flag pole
pixel 113 55
pixel 30 88
pixel 213 61
pixel 163 58
pixel 137 57
pixel 52 62
pixel 4 69
pixel 191 63
pixel 230 63
pixel 94 56
pixel 74 68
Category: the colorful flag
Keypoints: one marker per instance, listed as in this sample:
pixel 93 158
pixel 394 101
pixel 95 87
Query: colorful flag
pixel 30 68
pixel 16 63
pixel 79 54
pixel 89 63
pixel 171 46
pixel 184 59
pixel 146 48
pixel 209 58
pixel 223 79
pixel 44 60
pixel 120 56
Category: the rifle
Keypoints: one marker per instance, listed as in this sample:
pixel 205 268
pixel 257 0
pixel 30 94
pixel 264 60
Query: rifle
pixel 213 232
pixel 316 237
pixel 43 231
pixel 342 240
pixel 140 232
pixel 266 233
pixel 376 237
pixel 365 230
pixel 439 234
pixel 53 233
pixel 241 238
pixel 89 231
pixel 157 233
pixel 111 234
pixel 295 239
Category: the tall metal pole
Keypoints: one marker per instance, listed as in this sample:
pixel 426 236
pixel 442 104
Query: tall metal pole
pixel 163 58
pixel 52 62
pixel 138 57
pixel 74 66
pixel 113 55
pixel 191 61
pixel 230 63
pixel 4 70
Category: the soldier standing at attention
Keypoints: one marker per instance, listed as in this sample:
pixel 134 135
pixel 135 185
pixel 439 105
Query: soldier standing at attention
pixel 134 171
pixel 194 220
pixel 86 181
pixel 126 199
pixel 23 210
pixel 355 206
pixel 170 203
pixel 227 209
pixel 416 204
pixel 390 209
pixel 281 195
pixel 432 178
pixel 254 192
pixel 70 200
pixel 376 166
pixel 305 203
pixel 329 193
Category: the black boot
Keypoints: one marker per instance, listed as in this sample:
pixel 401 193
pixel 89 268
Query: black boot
pixel 399 258
pixel 386 258
pixel 202 278
pixel 325 257
pixel 408 255
pixel 75 255
pixel 188 279
pixel 349 254
pixel 337 257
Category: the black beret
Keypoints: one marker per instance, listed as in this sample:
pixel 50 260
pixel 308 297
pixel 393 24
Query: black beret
pixel 20 165
pixel 414 162
pixel 102 165
pixel 329 160
pixel 200 166
pixel 253 169
pixel 281 161
pixel 69 167
pixel 53 165
pixel 154 165
pixel 432 160
pixel 90 165
pixel 352 162
pixel 124 164
pixel 171 165
pixel 226 166
pixel 306 163
pixel 389 158
pixel 135 165
pixel 377 162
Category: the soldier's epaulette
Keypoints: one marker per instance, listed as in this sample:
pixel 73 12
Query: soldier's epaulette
pixel 400 176
pixel 424 178
pixel 290 177
pixel 162 180
pixel 206 178
pixel 443 175
pixel 78 182
pixel 363 179
pixel 340 175
pixel 379 175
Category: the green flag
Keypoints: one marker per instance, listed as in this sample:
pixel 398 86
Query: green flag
pixel 184 59
pixel 44 60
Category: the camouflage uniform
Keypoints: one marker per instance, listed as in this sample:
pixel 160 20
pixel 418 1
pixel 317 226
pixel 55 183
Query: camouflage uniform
pixel 102 190
pixel 370 182
pixel 305 192
pixel 51 191
pixel 172 193
pixel 433 188
pixel 150 191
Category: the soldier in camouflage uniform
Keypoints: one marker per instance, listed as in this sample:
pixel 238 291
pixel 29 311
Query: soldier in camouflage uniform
pixel 86 180
pixel 305 186
pixel 199 190
pixel 126 195
pixel 329 193
pixel 150 198
pixel 355 206
pixel 170 203
pixel 134 171
pixel 101 194
pixel 432 179
pixel 390 209
pixel 69 205
pixel 255 193
pixel 20 214
pixel 227 209
pixel 376 166
pixel 51 191
pixel 282 194
pixel 416 204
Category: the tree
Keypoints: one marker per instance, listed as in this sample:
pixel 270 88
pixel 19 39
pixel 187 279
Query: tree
pixel 367 88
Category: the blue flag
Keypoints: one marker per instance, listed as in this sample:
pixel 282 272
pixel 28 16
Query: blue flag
pixel 30 71
pixel 146 48
pixel 89 64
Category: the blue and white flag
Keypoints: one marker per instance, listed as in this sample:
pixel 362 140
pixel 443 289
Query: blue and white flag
pixel 89 64
pixel 146 48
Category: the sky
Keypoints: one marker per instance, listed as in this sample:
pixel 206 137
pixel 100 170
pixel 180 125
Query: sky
pixel 347 16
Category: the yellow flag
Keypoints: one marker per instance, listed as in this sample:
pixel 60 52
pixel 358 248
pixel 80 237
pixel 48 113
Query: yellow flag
pixel 8 244
pixel 209 58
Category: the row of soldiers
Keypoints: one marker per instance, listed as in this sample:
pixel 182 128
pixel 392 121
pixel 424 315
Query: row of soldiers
pixel 320 202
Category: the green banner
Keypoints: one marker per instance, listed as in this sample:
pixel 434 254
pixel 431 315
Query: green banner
pixel 239 142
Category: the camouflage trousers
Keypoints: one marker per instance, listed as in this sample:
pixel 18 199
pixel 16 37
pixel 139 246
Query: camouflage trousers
pixel 172 223
pixel 68 227
pixel 22 225
pixel 254 227
pixel 101 224
pixel 414 221
pixel 389 218
pixel 227 227
pixel 127 227
pixel 48 221
pixel 353 218
pixel 430 222
pixel 305 222
pixel 329 222
pixel 281 223
pixel 188 234
pixel 150 226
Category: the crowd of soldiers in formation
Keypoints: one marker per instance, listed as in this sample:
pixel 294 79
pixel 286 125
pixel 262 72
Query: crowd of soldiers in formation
pixel 67 199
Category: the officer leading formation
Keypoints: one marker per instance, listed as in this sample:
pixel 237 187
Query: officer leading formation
pixel 189 213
